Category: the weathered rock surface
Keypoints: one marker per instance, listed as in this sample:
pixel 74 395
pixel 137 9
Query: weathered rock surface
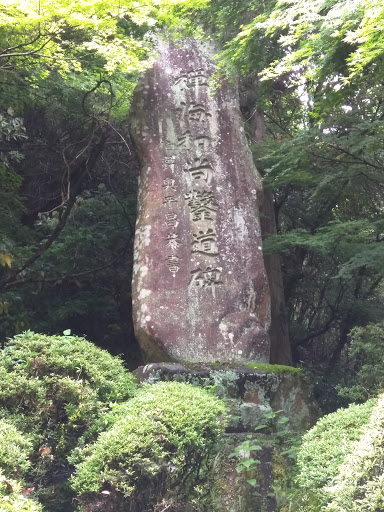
pixel 250 393
pixel 200 291
pixel 267 408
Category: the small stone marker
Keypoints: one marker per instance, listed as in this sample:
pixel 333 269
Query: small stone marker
pixel 200 291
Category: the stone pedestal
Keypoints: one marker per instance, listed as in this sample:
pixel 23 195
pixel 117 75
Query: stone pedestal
pixel 200 291
pixel 250 392
pixel 255 397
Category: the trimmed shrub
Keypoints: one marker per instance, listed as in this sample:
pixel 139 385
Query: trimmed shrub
pixel 15 448
pixel 163 435
pixel 12 500
pixel 359 485
pixel 55 389
pixel 324 449
pixel 55 386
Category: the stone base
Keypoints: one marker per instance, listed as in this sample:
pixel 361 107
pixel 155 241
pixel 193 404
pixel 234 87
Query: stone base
pixel 267 403
pixel 251 391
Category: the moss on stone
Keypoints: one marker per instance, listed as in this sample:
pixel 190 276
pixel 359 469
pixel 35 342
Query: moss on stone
pixel 282 477
pixel 275 368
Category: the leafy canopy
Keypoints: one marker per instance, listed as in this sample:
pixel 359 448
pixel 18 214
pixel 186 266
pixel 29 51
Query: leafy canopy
pixel 314 35
pixel 67 35
pixel 15 448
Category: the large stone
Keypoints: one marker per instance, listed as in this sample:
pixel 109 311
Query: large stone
pixel 271 408
pixel 250 392
pixel 200 290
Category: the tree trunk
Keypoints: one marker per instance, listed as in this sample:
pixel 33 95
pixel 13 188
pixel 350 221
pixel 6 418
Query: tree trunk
pixel 280 346
pixel 281 352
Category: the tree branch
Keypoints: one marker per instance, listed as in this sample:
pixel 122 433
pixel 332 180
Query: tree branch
pixel 84 167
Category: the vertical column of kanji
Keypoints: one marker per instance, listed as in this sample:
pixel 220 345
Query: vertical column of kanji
pixel 171 195
pixel 196 145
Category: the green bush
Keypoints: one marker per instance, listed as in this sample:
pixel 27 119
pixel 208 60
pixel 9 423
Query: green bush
pixel 51 383
pixel 55 389
pixel 324 449
pixel 366 356
pixel 163 434
pixel 15 448
pixel 12 500
pixel 359 485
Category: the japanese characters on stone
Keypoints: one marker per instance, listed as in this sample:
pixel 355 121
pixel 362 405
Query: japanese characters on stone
pixel 193 145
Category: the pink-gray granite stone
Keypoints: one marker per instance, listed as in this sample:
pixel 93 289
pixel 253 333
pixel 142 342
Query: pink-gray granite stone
pixel 200 291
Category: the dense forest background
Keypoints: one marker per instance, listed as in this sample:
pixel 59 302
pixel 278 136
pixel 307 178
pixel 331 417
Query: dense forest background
pixel 311 87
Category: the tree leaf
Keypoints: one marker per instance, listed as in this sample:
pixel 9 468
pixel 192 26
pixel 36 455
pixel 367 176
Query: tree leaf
pixel 5 259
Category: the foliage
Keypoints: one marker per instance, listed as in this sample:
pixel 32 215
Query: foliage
pixel 358 486
pixel 313 72
pixel 97 39
pixel 15 448
pixel 56 378
pixel 164 433
pixel 53 388
pixel 63 286
pixel 339 27
pixel 11 204
pixel 67 74
pixel 243 452
pixel 13 500
pixel 365 363
pixel 317 40
pixel 324 448
pixel 275 437
pixel 68 36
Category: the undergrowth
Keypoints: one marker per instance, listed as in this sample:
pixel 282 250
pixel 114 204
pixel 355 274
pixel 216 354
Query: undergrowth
pixel 156 448
pixel 54 390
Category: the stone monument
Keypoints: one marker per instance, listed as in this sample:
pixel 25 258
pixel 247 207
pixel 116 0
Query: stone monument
pixel 200 291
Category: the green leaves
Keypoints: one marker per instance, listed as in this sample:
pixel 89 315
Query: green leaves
pixel 246 465
pixel 246 461
pixel 68 36
pixel 245 447
pixel 168 424
pixel 315 34
pixel 364 372
pixel 323 450
pixel 15 449
pixel 357 486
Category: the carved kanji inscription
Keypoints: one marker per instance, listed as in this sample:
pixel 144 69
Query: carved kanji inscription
pixel 173 241
pixel 171 219
pixel 208 278
pixel 169 201
pixel 201 171
pixel 169 185
pixel 197 112
pixel 194 78
pixel 204 242
pixel 197 78
pixel 202 205
pixel 173 263
pixel 185 141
